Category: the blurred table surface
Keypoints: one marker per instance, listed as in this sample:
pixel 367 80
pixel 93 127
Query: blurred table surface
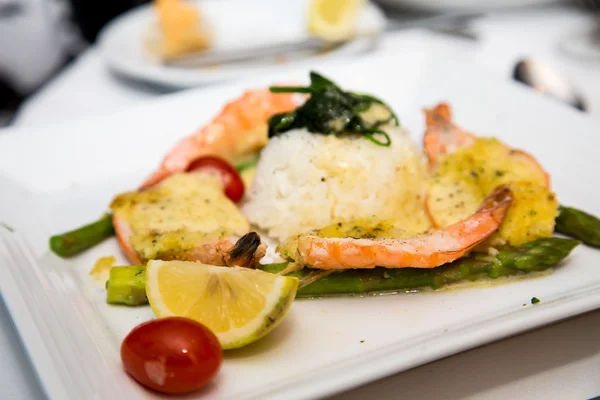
pixel 560 361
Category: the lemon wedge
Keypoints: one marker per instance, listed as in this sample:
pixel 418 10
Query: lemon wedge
pixel 333 20
pixel 240 305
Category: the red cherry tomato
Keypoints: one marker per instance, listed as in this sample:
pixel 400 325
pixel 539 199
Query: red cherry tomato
pixel 233 184
pixel 172 355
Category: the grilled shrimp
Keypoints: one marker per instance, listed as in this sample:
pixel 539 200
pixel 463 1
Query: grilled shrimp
pixel 428 251
pixel 239 129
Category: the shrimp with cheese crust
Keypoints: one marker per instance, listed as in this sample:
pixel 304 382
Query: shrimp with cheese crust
pixel 466 168
pixel 185 217
pixel 238 130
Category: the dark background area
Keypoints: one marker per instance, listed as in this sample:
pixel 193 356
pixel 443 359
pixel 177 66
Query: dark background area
pixel 88 16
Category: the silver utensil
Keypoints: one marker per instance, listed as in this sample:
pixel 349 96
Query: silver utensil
pixel 592 5
pixel 454 24
pixel 312 46
pixel 211 57
pixel 545 79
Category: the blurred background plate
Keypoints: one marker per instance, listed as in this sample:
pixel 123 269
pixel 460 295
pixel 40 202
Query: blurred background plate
pixel 463 5
pixel 122 42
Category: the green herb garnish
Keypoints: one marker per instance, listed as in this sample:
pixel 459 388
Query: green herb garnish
pixel 535 300
pixel 330 110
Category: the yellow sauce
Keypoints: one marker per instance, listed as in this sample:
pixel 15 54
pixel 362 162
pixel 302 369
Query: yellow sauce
pixel 101 270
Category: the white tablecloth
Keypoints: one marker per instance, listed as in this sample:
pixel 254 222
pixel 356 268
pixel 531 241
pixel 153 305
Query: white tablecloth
pixel 561 361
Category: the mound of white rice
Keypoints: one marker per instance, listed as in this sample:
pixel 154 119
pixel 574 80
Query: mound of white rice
pixel 307 181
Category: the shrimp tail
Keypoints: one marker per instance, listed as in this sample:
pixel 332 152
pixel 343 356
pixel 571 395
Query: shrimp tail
pixel 247 251
pixel 441 134
pixel 439 115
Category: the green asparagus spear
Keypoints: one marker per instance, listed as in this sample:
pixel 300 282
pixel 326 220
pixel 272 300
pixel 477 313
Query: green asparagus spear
pixel 70 243
pixel 127 285
pixel 247 162
pixel 578 224
pixel 538 255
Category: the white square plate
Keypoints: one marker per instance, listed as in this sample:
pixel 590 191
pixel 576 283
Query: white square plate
pixel 123 43
pixel 55 178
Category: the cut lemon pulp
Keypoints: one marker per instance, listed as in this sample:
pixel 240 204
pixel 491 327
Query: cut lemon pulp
pixel 333 20
pixel 240 305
